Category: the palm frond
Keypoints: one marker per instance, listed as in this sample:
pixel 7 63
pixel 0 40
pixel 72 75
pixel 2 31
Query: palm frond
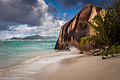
pixel 98 20
pixel 87 38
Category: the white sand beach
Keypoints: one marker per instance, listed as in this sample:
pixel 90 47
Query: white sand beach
pixel 83 68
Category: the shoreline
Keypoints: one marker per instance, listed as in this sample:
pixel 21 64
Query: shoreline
pixel 53 68
pixel 85 68
pixel 32 66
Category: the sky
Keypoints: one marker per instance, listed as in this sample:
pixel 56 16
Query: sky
pixel 20 18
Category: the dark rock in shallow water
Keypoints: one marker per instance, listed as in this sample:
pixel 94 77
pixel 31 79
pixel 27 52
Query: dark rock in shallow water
pixel 72 32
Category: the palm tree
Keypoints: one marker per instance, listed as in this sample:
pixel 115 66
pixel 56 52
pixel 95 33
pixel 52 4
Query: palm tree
pixel 101 33
pixel 107 29
pixel 106 32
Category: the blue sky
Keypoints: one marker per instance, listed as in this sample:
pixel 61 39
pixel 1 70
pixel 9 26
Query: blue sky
pixel 20 18
pixel 61 10
pixel 71 7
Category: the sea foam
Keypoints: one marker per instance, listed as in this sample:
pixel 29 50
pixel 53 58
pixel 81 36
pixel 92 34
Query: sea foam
pixel 34 65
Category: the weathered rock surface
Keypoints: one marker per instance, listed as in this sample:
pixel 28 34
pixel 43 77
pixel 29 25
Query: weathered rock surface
pixel 72 32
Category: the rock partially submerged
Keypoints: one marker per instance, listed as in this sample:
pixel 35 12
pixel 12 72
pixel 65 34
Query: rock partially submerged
pixel 72 32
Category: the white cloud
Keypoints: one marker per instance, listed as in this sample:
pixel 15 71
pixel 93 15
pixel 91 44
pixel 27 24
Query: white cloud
pixel 49 26
pixel 22 28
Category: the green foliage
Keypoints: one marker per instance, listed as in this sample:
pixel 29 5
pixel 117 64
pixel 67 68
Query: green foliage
pixel 110 51
pixel 104 53
pixel 107 30
pixel 99 29
pixel 112 26
pixel 83 40
pixel 87 38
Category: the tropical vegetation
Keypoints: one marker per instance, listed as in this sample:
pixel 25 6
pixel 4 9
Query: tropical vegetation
pixel 107 30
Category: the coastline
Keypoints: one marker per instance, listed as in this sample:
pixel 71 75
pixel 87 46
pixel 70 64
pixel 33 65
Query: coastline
pixel 65 67
pixel 53 68
pixel 35 65
pixel 84 68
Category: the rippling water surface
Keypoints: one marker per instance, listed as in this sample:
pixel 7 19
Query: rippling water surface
pixel 19 60
pixel 12 52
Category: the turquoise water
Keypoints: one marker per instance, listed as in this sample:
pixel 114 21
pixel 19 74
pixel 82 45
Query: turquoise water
pixel 20 60
pixel 12 52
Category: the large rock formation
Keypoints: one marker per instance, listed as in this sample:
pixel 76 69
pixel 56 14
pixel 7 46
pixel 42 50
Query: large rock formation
pixel 72 32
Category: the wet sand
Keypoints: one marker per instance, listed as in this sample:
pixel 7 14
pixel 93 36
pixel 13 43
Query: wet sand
pixel 53 68
pixel 82 68
pixel 39 67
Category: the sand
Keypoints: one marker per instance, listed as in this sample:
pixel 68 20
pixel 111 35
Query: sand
pixel 82 68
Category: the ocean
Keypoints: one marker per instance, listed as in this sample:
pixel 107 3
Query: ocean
pixel 12 52
pixel 25 58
